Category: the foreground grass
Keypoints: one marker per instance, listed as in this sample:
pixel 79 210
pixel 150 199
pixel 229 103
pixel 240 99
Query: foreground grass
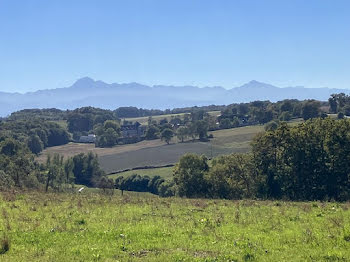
pixel 95 227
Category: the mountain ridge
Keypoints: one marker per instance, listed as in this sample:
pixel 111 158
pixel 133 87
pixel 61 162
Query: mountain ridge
pixel 89 92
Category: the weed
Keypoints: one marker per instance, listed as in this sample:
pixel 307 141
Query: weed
pixel 347 238
pixel 5 215
pixel 81 222
pixel 4 244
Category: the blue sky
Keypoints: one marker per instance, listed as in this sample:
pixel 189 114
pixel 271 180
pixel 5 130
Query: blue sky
pixel 50 44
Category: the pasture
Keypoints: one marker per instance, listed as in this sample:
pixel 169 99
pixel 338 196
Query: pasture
pixel 158 153
pixel 141 227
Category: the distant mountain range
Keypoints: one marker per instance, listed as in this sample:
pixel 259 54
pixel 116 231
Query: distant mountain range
pixel 88 92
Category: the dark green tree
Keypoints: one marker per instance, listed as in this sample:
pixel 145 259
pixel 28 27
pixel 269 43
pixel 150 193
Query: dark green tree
pixel 166 135
pixel 189 175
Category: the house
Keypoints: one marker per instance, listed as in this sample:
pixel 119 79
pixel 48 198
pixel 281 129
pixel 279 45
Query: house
pixel 132 133
pixel 133 130
pixel 91 138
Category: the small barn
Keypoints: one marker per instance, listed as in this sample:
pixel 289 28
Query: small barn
pixel 88 139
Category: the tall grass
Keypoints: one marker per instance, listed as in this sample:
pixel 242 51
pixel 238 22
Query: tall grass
pixel 142 227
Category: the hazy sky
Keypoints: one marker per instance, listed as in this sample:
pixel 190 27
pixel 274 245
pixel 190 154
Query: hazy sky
pixel 50 44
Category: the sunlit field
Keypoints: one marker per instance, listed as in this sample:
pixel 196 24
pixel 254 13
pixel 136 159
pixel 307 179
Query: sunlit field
pixel 143 227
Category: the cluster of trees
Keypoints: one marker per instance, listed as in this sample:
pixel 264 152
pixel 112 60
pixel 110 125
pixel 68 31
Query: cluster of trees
pixel 126 112
pixel 192 126
pixel 310 161
pixel 81 121
pixel 339 104
pixel 47 114
pixel 131 111
pixel 18 168
pixel 17 165
pixel 86 169
pixel 81 169
pixel 36 134
pixel 53 114
pixel 107 133
pixel 155 185
pixel 261 112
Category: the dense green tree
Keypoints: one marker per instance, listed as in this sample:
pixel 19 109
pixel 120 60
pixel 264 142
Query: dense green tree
pixel 189 175
pixel 285 116
pixel 232 177
pixel 182 133
pixel 192 130
pixel 166 135
pixel 310 109
pixel 80 122
pixel 309 161
pixel 286 106
pixel 6 181
pixel 111 124
pixel 35 144
pixel 55 176
pixel 105 184
pixel 225 123
pixel 346 110
pixel 202 129
pixel 57 136
pixel 333 105
pixel 107 134
pixel 86 169
pixel 17 164
pixel 152 132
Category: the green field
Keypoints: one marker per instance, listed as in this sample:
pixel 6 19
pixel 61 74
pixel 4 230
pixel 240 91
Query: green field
pixel 165 172
pixel 235 140
pixel 142 227
pixel 158 153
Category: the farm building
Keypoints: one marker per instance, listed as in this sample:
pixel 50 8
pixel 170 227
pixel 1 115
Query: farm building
pixel 133 130
pixel 87 139
pixel 132 133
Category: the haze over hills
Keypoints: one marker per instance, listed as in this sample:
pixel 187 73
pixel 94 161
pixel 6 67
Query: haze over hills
pixel 88 92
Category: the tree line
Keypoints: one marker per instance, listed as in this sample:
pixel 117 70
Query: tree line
pixel 194 123
pixel 310 161
pixel 34 133
pixel 19 169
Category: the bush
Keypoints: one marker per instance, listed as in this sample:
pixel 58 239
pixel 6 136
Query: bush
pixel 155 185
pixel 270 126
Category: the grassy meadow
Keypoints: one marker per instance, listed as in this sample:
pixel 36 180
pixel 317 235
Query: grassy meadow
pixel 143 227
pixel 157 152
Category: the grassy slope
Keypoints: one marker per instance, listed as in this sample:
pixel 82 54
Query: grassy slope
pixel 92 227
pixel 157 153
pixel 227 140
pixel 224 142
